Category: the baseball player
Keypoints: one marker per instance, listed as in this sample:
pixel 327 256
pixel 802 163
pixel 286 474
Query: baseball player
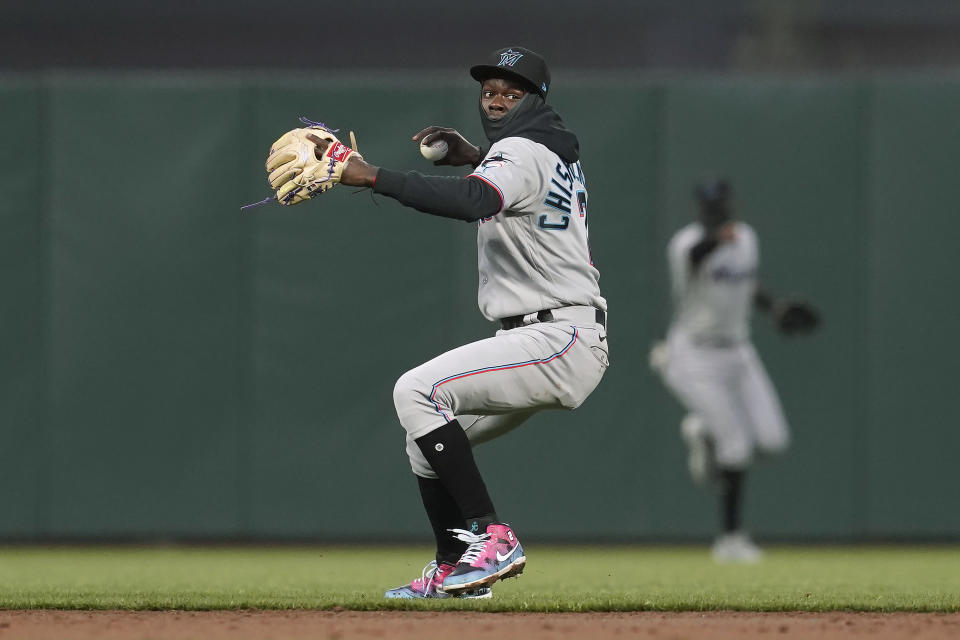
pixel 710 364
pixel 527 195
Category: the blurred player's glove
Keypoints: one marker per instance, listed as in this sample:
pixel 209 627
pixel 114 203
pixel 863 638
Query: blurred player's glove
pixel 296 174
pixel 793 316
pixel 659 356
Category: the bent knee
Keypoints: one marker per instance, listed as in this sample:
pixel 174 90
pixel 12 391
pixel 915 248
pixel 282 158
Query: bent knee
pixel 411 395
pixel 733 453
pixel 773 445
pixel 406 389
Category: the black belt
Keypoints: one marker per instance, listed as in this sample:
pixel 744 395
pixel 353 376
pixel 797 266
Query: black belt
pixel 546 316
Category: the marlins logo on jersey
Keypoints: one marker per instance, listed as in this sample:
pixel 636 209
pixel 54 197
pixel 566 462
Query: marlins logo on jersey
pixel 495 161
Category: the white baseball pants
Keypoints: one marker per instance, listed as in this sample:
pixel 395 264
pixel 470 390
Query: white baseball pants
pixel 492 386
pixel 729 389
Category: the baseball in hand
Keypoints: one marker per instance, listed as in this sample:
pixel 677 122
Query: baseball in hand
pixel 434 151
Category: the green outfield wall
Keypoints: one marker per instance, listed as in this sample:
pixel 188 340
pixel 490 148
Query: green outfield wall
pixel 174 368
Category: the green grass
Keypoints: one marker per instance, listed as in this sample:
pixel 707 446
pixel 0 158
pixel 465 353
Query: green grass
pixel 556 579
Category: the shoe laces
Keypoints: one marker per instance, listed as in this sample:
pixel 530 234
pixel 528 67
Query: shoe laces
pixel 426 577
pixel 476 543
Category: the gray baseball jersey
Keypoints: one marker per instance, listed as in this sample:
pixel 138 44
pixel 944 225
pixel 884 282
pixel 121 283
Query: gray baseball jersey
pixel 714 303
pixel 534 254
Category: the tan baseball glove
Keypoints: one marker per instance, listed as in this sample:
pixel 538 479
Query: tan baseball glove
pixel 295 171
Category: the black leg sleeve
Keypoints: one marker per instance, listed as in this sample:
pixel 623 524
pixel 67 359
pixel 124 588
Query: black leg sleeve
pixel 731 494
pixel 449 454
pixel 444 514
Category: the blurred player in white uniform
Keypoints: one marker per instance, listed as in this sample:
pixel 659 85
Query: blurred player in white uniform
pixel 527 195
pixel 710 364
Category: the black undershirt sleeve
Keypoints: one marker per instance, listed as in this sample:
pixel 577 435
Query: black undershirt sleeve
pixel 701 250
pixel 763 299
pixel 465 199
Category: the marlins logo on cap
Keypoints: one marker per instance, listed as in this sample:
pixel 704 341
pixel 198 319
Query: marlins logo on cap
pixel 509 58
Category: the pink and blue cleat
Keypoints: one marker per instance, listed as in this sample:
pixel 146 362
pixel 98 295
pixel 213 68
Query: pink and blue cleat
pixel 428 585
pixel 490 556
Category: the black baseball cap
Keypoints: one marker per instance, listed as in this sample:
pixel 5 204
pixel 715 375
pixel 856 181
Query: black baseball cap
pixel 517 63
pixel 713 191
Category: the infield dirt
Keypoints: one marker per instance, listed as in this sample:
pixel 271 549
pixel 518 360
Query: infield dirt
pixel 404 625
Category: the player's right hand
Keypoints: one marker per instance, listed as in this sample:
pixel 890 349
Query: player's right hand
pixel 461 151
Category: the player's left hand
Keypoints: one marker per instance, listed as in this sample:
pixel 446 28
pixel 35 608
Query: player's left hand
pixel 357 173
pixel 298 170
pixel 793 316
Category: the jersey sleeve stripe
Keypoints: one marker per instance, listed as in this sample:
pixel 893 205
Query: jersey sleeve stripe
pixel 499 193
pixel 502 367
